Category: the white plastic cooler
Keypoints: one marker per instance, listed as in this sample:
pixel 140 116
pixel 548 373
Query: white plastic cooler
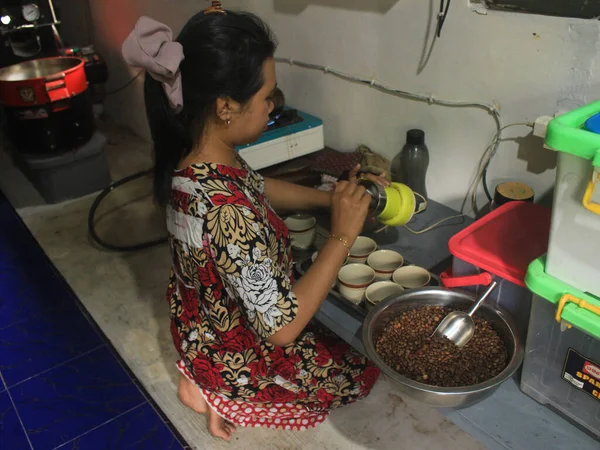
pixel 574 246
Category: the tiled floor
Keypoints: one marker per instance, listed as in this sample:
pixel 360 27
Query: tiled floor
pixel 63 385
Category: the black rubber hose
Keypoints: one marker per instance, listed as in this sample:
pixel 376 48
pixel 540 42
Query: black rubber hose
pixel 94 208
pixel 442 16
pixel 485 185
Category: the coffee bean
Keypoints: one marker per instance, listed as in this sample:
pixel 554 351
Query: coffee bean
pixel 405 344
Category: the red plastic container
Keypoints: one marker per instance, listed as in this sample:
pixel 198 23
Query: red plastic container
pixel 500 247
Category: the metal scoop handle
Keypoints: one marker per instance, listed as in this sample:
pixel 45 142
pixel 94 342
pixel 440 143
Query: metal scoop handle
pixel 482 299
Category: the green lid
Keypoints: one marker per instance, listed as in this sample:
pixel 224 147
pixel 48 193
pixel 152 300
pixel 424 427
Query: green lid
pixel 545 286
pixel 566 133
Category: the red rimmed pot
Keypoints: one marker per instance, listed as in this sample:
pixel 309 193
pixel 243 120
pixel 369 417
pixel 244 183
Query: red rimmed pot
pixel 47 104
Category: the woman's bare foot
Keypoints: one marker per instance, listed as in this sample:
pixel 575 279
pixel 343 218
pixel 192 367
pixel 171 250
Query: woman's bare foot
pixel 219 427
pixel 190 396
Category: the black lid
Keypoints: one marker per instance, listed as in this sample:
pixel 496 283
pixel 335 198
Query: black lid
pixel 513 192
pixel 415 137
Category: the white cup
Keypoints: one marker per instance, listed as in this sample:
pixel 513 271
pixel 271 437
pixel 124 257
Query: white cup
pixel 384 263
pixel 353 281
pixel 314 256
pixel 381 290
pixel 411 277
pixel 361 249
pixel 303 230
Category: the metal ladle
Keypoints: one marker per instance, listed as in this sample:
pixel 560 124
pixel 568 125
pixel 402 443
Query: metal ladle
pixel 458 326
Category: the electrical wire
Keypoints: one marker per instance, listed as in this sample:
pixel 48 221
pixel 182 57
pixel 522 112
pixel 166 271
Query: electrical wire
pixel 92 213
pixel 94 208
pixel 485 169
pixel 431 99
pixel 442 16
pixel 435 225
pixel 489 153
pixel 126 85
pixel 492 109
pixel 487 157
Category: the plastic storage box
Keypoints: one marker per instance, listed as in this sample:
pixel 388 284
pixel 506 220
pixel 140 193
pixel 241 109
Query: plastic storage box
pixel 574 238
pixel 68 175
pixel 561 368
pixel 500 247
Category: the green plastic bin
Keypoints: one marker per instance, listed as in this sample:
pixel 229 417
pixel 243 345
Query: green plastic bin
pixel 574 245
pixel 561 368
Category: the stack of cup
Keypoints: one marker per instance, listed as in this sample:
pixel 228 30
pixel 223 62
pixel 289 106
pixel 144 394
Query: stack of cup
pixel 383 263
pixel 356 276
pixel 370 275
pixel 361 249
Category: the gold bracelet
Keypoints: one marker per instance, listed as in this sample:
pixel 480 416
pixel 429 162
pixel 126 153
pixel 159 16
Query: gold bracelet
pixel 342 240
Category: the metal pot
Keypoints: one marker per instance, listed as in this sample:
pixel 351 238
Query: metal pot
pixel 47 104
pixel 441 397
pixel 376 207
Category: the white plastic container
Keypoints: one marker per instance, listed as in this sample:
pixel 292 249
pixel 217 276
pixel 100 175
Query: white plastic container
pixel 574 247
pixel 561 368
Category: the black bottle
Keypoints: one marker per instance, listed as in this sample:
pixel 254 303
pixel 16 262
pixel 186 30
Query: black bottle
pixel 410 165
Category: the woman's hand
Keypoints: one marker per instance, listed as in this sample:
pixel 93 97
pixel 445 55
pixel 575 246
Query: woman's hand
pixel 349 209
pixel 379 179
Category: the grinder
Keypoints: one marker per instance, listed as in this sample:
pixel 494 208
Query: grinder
pixel 393 206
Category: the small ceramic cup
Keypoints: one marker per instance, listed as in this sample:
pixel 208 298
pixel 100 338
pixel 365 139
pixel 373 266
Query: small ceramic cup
pixel 362 248
pixel 380 291
pixel 384 263
pixel 353 281
pixel 411 277
pixel 303 230
pixel 314 256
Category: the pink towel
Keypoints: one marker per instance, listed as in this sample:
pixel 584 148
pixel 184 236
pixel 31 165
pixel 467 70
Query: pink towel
pixel 150 46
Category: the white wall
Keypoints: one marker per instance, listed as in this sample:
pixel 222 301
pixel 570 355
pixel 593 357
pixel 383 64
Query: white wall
pixel 488 58
pixel 530 65
pixel 113 20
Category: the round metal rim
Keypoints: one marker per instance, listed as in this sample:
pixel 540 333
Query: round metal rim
pixel 77 63
pixel 509 370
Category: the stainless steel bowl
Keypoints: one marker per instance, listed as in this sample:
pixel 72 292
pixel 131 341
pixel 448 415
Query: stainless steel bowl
pixel 441 397
pixel 39 68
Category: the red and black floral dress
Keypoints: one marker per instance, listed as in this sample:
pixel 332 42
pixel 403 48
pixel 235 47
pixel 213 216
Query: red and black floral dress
pixel 230 289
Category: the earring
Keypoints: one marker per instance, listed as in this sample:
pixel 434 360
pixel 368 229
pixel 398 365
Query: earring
pixel 228 122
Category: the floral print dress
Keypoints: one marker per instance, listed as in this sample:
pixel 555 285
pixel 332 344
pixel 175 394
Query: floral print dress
pixel 230 289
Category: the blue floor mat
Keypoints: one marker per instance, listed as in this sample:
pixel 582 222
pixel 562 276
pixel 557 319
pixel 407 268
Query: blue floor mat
pixel 63 384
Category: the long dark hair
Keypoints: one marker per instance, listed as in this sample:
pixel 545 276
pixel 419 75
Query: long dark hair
pixel 224 57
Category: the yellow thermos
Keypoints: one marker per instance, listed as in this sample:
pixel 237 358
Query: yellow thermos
pixel 393 206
